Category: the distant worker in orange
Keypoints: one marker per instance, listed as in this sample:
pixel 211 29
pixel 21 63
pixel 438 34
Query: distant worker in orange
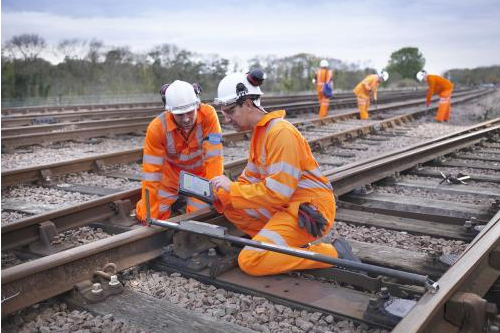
pixel 322 77
pixel 364 88
pixel 440 86
pixel 281 197
pixel 187 136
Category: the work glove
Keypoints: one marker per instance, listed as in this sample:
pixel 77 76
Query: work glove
pixel 311 219
pixel 427 104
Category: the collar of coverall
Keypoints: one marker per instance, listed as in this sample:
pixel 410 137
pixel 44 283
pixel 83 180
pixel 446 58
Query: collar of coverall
pixel 172 125
pixel 270 116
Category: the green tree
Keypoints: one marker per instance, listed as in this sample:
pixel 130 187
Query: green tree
pixel 406 61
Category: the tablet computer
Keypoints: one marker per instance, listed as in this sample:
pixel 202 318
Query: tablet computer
pixel 194 186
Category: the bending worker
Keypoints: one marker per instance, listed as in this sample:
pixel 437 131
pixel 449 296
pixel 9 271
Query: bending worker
pixel 364 88
pixel 281 197
pixel 323 76
pixel 187 136
pixel 440 86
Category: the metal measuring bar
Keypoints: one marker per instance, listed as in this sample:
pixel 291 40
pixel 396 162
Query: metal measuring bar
pixel 219 232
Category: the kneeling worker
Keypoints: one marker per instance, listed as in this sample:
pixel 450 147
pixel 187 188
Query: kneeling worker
pixel 442 87
pixel 364 88
pixel 281 197
pixel 187 136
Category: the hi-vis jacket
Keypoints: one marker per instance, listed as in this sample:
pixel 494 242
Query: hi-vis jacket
pixel 322 75
pixel 280 170
pixel 370 82
pixel 167 151
pixel 437 85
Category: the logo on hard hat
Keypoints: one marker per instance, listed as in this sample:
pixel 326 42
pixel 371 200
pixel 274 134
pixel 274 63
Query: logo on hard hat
pixel 241 89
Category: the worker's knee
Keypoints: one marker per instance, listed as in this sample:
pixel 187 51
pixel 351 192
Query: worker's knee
pixel 248 260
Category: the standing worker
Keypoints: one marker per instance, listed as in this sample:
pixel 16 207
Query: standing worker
pixel 187 136
pixel 440 86
pixel 364 88
pixel 281 197
pixel 323 76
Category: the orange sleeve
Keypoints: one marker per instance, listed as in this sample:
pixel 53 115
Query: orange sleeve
pixel 152 164
pixel 283 153
pixel 212 144
pixel 431 81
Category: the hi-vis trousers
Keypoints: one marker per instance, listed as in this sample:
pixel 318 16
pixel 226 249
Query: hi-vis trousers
pixel 363 105
pixel 444 107
pixel 324 105
pixel 281 228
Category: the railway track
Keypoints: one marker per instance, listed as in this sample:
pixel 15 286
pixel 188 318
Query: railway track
pixel 318 128
pixel 357 207
pixel 135 123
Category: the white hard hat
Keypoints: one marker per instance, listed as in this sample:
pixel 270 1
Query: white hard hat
pixel 421 75
pixel 180 98
pixel 384 75
pixel 323 63
pixel 238 85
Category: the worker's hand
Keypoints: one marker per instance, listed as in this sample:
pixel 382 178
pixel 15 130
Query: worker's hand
pixel 220 182
pixel 311 219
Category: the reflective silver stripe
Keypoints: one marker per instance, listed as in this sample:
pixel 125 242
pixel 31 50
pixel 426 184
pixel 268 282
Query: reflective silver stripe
pixel 188 106
pixel 315 172
pixel 275 237
pixel 252 167
pixel 251 248
pixel 213 153
pixel 162 119
pixel 152 176
pixel 199 134
pixel 199 205
pixel 163 208
pixel 264 212
pixel 192 166
pixel 251 179
pixel 151 159
pixel 281 188
pixel 252 212
pixel 187 157
pixel 263 153
pixel 284 167
pixel 308 183
pixel 167 195
pixel 170 143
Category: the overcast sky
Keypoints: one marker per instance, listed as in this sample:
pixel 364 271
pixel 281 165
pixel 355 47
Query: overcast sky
pixel 449 33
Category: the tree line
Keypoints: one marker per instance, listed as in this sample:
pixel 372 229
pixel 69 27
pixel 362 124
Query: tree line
pixel 93 68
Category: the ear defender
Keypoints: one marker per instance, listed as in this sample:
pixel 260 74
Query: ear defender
pixel 256 77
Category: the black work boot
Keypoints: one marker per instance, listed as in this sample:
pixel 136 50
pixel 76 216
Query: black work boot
pixel 344 250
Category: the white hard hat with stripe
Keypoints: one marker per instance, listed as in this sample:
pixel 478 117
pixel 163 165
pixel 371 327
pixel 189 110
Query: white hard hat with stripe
pixel 180 98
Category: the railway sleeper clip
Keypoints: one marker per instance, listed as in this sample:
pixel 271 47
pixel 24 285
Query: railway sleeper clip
pixel 101 286
pixel 387 310
pixel 471 313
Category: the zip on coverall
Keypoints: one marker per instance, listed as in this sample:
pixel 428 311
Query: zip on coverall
pixel 281 173
pixel 167 151
pixel 323 75
pixel 362 92
pixel 442 87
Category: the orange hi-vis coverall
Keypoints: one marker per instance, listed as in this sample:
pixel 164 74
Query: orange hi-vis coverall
pixel 167 151
pixel 323 75
pixel 281 173
pixel 362 92
pixel 442 87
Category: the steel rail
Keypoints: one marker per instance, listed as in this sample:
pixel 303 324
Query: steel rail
pixel 75 117
pixel 31 280
pixel 100 123
pixel 41 110
pixel 30 174
pixel 473 273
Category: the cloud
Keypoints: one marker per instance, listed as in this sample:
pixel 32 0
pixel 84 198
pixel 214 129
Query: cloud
pixel 450 34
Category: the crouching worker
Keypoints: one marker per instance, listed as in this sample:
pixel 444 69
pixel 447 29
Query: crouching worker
pixel 281 197
pixel 187 136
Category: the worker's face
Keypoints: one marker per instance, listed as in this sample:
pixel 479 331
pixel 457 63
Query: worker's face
pixel 235 115
pixel 186 120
